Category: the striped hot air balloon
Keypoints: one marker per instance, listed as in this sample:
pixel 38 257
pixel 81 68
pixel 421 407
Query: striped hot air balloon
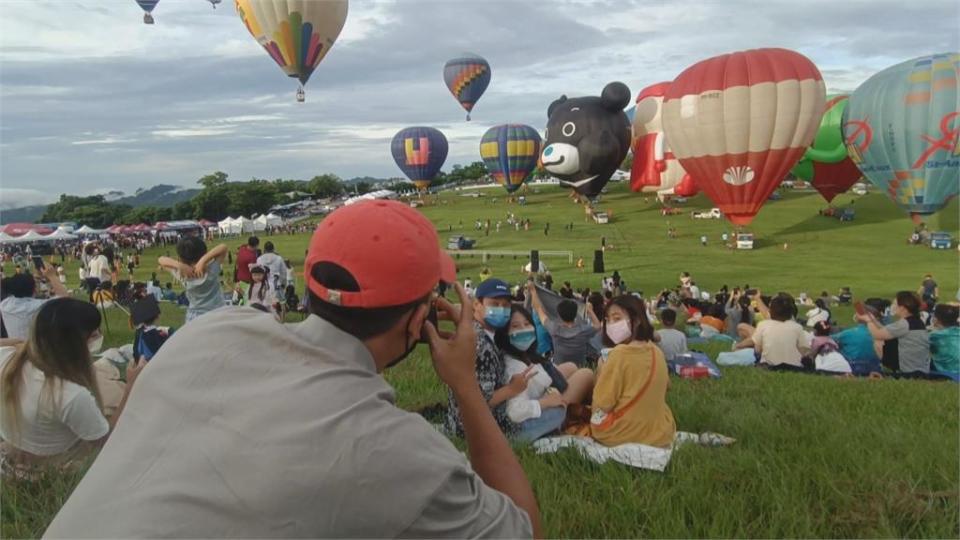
pixel 655 169
pixel 739 122
pixel 297 34
pixel 147 7
pixel 510 152
pixel 419 152
pixel 826 164
pixel 902 128
pixel 467 77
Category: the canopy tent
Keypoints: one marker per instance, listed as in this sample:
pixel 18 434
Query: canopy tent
pixel 207 224
pixel 373 195
pixel 17 229
pixel 246 224
pixel 60 234
pixel 268 220
pixel 143 227
pixel 229 226
pixel 87 230
pixel 32 236
pixel 6 238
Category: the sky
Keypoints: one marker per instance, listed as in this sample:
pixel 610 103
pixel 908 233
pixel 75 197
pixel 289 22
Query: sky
pixel 93 100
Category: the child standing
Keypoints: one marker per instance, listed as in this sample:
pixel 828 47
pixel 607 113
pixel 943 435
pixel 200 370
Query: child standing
pixel 199 271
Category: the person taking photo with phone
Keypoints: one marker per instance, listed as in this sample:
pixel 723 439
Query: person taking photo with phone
pixel 20 307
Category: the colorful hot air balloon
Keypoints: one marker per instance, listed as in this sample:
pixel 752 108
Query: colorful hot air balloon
pixel 655 169
pixel 419 152
pixel 147 7
pixel 297 34
pixel 467 77
pixel 739 122
pixel 902 128
pixel 826 164
pixel 510 152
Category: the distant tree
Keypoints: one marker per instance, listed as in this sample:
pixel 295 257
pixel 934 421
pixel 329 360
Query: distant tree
pixel 218 178
pixel 248 198
pixel 362 188
pixel 326 185
pixel 183 210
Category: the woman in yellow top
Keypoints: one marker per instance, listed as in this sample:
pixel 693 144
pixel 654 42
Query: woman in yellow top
pixel 629 399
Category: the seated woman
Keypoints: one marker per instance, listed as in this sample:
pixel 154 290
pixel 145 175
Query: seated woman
pixel 629 399
pixel 541 407
pixel 903 345
pixel 818 313
pixel 713 323
pixel 945 340
pixel 780 342
pixel 51 403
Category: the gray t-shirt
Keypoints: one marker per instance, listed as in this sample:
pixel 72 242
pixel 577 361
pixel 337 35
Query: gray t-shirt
pixel 912 345
pixel 204 292
pixel 570 342
pixel 672 342
pixel 245 427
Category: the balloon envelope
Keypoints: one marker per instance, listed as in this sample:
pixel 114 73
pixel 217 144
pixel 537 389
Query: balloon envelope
pixel 655 169
pixel 739 122
pixel 510 152
pixel 419 152
pixel 826 164
pixel 297 34
pixel 902 127
pixel 467 77
pixel 147 5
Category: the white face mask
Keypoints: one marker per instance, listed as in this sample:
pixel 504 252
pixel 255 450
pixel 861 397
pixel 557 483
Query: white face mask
pixel 95 344
pixel 619 332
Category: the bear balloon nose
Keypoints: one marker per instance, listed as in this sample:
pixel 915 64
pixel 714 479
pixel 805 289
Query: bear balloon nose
pixel 561 158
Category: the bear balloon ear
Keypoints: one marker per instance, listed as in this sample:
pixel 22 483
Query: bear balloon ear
pixel 555 104
pixel 615 96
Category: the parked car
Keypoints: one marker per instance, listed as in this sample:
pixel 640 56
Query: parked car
pixel 460 242
pixel 744 240
pixel 941 240
pixel 713 213
pixel 669 211
pixel 416 204
pixel 847 214
pixel 859 188
pixel 601 217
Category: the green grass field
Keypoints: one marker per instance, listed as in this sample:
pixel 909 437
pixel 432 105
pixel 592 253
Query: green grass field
pixel 815 457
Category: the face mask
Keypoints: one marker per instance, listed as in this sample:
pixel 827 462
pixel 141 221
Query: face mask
pixel 406 353
pixel 619 331
pixel 95 345
pixel 497 317
pixel 523 339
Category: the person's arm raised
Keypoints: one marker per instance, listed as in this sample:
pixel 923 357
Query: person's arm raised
pixel 58 288
pixel 185 270
pixel 537 305
pixel 490 455
pixel 217 253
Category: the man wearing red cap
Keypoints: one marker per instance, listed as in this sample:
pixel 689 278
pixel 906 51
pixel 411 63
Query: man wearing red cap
pixel 243 426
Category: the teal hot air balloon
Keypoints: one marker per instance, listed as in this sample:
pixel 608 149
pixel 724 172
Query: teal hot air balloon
pixel 901 128
pixel 510 152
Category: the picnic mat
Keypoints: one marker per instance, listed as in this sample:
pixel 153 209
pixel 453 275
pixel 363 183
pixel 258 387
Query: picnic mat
pixel 632 454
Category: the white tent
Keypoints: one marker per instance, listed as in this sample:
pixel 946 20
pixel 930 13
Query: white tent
pixel 87 230
pixel 60 234
pixel 30 236
pixel 373 195
pixel 229 226
pixel 6 238
pixel 267 220
pixel 246 224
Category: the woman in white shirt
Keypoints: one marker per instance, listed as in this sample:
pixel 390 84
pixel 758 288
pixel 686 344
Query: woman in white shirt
pixel 818 313
pixel 51 402
pixel 539 407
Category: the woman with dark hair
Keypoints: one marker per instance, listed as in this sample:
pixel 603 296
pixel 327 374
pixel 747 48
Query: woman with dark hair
pixel 51 402
pixel 629 399
pixel 779 340
pixel 903 345
pixel 540 408
pixel 740 319
pixel 819 313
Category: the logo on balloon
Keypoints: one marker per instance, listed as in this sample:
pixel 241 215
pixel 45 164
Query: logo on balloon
pixel 738 176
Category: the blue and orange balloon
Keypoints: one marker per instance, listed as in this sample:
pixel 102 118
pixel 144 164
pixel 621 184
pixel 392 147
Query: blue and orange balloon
pixel 147 7
pixel 297 35
pixel 902 129
pixel 510 152
pixel 467 77
pixel 419 152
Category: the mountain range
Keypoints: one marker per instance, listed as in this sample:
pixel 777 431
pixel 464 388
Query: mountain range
pixel 159 195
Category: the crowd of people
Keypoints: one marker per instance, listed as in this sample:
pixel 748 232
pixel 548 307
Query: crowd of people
pixel 521 362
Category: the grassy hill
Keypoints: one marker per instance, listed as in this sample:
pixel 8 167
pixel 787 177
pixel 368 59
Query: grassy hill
pixel 815 457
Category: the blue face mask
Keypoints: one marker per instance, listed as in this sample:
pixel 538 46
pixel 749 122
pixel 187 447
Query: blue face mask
pixel 523 339
pixel 497 317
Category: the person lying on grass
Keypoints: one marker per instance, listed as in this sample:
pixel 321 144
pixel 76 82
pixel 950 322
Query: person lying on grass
pixel 629 399
pixel 53 413
pixel 242 426
pixel 902 345
pixel 540 408
pixel 779 340
pixel 199 271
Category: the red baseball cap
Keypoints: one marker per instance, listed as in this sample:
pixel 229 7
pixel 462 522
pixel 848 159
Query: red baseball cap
pixel 390 249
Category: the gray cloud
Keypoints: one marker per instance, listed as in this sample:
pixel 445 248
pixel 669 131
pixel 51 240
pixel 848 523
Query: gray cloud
pixel 98 99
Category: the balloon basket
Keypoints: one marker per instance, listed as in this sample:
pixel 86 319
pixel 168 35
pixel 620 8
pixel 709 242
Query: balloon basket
pixel 301 95
pixel 147 18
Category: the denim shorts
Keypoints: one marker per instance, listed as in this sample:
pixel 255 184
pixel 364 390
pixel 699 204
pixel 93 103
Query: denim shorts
pixel 549 421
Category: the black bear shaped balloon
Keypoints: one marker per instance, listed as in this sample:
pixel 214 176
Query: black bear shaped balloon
pixel 587 138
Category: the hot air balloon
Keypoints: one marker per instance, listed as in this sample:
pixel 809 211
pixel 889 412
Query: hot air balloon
pixel 467 77
pixel 655 169
pixel 902 128
pixel 825 163
pixel 419 152
pixel 297 34
pixel 147 7
pixel 510 152
pixel 739 122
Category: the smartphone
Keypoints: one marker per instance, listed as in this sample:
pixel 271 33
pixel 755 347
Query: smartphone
pixel 38 263
pixel 859 308
pixel 433 319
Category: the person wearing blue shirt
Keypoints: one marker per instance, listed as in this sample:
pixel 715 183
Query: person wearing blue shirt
pixel 945 340
pixel 544 343
pixel 856 345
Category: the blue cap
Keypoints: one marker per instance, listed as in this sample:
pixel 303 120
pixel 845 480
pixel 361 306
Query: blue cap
pixel 493 288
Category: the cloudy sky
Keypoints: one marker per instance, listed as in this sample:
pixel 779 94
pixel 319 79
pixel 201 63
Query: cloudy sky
pixel 91 99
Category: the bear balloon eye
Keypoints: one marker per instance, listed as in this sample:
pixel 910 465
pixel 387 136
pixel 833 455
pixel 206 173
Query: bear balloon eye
pixel 569 129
